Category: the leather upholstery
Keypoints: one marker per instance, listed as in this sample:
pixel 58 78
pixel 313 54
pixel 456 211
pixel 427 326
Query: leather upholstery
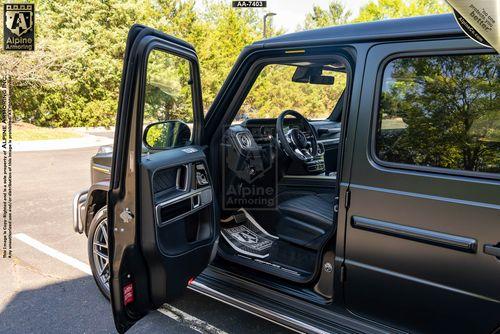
pixel 305 220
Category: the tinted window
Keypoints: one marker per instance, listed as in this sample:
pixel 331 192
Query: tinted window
pixel 441 111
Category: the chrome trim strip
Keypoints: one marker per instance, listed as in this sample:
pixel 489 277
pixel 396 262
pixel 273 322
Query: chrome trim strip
pixel 287 322
pixel 192 193
pixel 179 198
pixel 330 141
pixel 464 244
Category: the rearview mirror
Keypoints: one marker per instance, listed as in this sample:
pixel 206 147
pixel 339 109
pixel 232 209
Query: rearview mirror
pixel 312 75
pixel 166 134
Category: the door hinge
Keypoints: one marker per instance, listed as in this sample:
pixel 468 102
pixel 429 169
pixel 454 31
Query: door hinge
pixel 347 198
pixel 342 274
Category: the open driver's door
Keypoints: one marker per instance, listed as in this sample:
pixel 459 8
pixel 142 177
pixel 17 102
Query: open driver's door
pixel 162 218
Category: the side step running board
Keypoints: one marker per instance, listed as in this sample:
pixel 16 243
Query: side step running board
pixel 269 315
pixel 289 312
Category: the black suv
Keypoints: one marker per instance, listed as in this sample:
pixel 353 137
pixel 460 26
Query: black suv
pixel 375 211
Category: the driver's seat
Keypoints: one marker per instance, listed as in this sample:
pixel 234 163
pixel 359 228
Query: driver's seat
pixel 305 220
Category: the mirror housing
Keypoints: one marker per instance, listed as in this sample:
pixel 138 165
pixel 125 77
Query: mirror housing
pixel 165 135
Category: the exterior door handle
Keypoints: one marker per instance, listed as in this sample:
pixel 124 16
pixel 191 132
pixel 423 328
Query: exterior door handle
pixel 492 250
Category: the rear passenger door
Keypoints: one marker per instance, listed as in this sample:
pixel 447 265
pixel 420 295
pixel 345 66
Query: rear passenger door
pixel 423 228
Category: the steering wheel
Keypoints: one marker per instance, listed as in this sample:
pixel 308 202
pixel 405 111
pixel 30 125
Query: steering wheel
pixel 301 143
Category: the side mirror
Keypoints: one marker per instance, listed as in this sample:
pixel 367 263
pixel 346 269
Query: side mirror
pixel 166 134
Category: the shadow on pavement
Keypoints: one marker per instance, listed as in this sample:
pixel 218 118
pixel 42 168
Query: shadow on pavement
pixel 69 306
pixel 76 306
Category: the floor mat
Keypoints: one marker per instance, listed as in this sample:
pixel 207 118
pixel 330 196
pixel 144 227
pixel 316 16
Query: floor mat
pixel 245 236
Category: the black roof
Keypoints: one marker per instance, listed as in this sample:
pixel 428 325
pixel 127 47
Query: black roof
pixel 443 24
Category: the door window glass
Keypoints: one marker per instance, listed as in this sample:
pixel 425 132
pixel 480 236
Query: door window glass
pixel 168 97
pixel 441 111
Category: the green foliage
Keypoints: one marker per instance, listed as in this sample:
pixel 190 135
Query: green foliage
pixel 387 9
pixel 88 95
pixel 168 88
pixel 168 135
pixel 336 14
pixel 86 40
pixel 225 33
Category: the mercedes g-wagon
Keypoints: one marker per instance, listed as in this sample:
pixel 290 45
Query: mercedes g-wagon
pixel 343 180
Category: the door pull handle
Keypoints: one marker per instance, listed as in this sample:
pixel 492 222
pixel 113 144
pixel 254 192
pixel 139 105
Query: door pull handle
pixel 492 250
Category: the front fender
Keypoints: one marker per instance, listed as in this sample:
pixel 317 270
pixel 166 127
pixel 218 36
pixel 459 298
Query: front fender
pixel 88 204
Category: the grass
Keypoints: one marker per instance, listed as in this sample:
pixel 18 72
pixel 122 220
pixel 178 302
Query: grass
pixel 28 132
pixel 393 123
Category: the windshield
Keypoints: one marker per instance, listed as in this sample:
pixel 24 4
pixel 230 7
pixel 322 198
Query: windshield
pixel 274 91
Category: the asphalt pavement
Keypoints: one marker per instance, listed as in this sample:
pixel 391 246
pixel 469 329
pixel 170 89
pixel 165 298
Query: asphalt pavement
pixel 43 293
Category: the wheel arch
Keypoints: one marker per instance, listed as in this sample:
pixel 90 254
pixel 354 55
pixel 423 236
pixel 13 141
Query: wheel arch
pixel 96 199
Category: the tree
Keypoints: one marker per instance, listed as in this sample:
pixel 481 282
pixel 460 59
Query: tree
pixel 274 91
pixel 100 28
pixel 46 68
pixel 89 94
pixel 84 42
pixel 223 33
pixel 336 14
pixel 386 9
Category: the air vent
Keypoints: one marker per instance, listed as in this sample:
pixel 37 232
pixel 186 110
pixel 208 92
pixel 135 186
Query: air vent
pixel 244 139
pixel 321 149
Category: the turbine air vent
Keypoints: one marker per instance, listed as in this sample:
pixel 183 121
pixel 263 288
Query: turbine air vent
pixel 244 139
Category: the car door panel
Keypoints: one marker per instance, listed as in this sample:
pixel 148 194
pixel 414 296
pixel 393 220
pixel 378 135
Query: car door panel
pixel 415 239
pixel 179 236
pixel 153 259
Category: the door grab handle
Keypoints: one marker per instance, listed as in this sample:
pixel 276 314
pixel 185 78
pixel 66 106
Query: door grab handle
pixel 492 250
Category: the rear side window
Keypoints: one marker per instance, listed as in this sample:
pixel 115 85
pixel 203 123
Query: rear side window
pixel 441 111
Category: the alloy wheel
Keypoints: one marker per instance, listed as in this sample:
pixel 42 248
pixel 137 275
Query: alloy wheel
pixel 101 254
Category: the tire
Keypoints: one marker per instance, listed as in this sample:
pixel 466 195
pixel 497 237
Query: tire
pixel 96 259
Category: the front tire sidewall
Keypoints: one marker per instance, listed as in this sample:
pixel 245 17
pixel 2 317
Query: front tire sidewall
pixel 101 215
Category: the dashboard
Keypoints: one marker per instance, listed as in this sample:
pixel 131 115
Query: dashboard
pixel 255 136
pixel 264 130
pixel 262 133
